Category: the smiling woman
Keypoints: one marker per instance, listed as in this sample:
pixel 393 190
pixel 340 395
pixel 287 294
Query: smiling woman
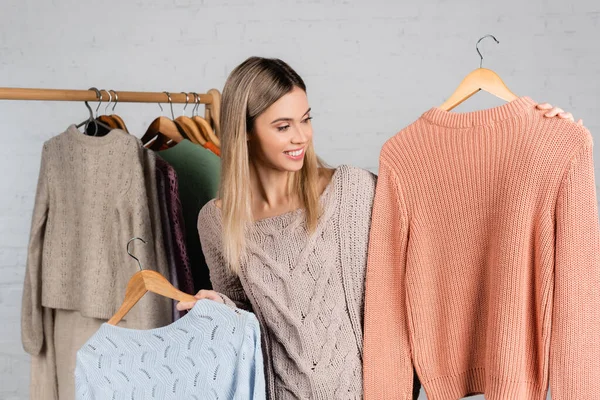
pixel 288 237
pixel 267 146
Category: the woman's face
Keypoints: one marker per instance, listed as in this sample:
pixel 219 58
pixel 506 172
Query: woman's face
pixel 282 133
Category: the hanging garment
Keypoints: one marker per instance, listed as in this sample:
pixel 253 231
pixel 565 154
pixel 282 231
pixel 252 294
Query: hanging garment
pixel 93 195
pixel 53 369
pixel 484 259
pixel 307 290
pixel 176 224
pixel 167 233
pixel 173 231
pixel 211 353
pixel 199 173
pixel 212 147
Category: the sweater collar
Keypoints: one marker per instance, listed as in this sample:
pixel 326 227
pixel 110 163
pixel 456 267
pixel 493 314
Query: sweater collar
pixel 506 111
pixel 95 140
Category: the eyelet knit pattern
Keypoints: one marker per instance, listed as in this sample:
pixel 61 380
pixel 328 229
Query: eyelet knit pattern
pixel 484 259
pixel 307 290
pixel 212 353
pixel 93 195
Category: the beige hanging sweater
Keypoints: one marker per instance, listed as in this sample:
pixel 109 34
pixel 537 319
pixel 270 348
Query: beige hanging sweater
pixel 92 197
pixel 306 290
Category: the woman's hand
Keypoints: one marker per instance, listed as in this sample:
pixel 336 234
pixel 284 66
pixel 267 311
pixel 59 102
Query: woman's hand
pixel 557 111
pixel 203 294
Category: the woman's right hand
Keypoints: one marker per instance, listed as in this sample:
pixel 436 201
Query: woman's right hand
pixel 203 294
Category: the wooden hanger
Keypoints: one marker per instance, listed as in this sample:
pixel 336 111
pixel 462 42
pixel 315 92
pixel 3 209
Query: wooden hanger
pixel 479 79
pixel 145 281
pixel 205 128
pixel 120 122
pixel 189 126
pixel 162 130
pixel 107 123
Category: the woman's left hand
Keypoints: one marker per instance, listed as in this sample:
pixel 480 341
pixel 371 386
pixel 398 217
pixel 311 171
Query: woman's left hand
pixel 557 112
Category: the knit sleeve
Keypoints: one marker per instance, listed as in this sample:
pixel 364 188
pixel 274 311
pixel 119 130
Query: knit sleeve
pixel 251 378
pixel 575 343
pixel 140 217
pixel 388 371
pixel 154 220
pixel 223 281
pixel 32 333
pixel 184 272
pixel 136 210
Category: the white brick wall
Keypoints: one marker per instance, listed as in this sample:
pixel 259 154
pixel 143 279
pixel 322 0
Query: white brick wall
pixel 371 68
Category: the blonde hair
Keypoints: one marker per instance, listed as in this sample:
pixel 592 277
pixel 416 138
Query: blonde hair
pixel 251 88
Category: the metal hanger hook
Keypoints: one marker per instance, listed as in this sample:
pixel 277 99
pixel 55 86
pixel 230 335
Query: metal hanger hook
pixel 131 255
pixel 87 105
pixel 477 48
pixel 98 98
pixel 116 99
pixel 171 104
pixel 187 100
pixel 109 101
pixel 92 119
pixel 196 103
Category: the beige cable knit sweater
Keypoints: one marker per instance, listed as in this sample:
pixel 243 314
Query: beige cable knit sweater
pixel 92 197
pixel 307 291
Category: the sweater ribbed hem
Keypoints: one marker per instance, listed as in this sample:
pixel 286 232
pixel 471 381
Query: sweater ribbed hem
pixel 474 381
pixel 87 309
pixel 506 111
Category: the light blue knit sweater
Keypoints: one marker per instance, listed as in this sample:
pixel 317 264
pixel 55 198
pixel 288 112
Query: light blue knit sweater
pixel 211 353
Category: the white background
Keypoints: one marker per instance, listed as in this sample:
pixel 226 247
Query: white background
pixel 371 68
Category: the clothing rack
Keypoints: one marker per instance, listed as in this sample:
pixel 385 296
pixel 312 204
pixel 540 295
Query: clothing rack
pixel 211 99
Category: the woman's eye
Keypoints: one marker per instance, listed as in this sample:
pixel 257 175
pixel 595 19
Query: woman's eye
pixel 283 128
pixel 307 120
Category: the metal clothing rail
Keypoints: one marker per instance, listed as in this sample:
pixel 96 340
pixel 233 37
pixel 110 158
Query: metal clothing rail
pixel 90 95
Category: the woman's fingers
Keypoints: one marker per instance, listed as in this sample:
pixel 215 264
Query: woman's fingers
pixel 204 294
pixel 557 111
pixel 544 106
pixel 567 115
pixel 185 305
pixel 209 294
pixel 554 112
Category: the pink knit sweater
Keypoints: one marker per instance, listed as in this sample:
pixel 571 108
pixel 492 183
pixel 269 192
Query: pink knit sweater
pixel 484 259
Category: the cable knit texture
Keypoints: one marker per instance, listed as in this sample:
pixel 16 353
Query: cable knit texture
pixel 307 290
pixel 484 259
pixel 93 195
pixel 212 353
